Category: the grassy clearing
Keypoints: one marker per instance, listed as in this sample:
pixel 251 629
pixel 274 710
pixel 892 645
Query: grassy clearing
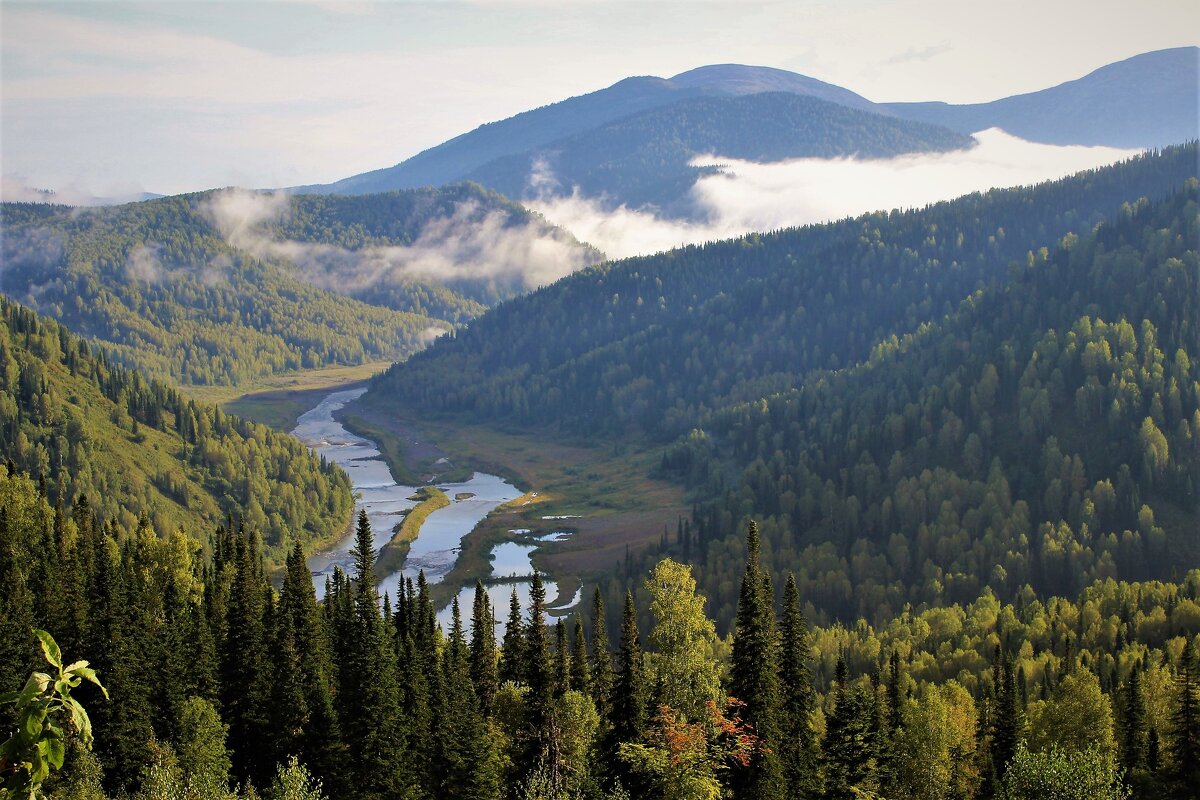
pixel 391 555
pixel 604 489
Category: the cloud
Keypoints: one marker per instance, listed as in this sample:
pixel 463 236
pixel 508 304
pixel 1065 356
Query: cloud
pixel 920 53
pixel 142 264
pixel 747 196
pixel 470 245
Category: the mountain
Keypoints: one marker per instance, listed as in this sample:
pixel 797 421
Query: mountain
pixel 588 137
pixel 223 287
pixel 645 159
pixel 1150 100
pixel 129 448
pixel 649 346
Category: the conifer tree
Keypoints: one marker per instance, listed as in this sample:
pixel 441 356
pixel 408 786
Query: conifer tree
pixel 309 729
pixel 581 675
pixel 1006 723
pixel 483 650
pixel 627 722
pixel 1184 775
pixel 754 679
pixel 798 754
pixel 370 698
pixel 562 659
pixel 1133 723
pixel 848 744
pixel 601 662
pixel 513 661
pixel 466 763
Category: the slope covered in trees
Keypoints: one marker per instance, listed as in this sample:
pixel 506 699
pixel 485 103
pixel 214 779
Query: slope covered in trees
pixel 223 287
pixel 644 159
pixel 129 448
pixel 1044 435
pixel 651 345
pixel 216 678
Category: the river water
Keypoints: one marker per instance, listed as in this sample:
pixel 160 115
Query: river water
pixel 435 549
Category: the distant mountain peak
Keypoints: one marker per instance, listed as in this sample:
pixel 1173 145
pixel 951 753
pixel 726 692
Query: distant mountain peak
pixel 741 79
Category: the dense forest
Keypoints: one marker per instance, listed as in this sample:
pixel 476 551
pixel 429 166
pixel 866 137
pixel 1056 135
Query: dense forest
pixel 215 678
pixel 644 159
pixel 221 288
pixel 1045 434
pixel 656 343
pixel 135 449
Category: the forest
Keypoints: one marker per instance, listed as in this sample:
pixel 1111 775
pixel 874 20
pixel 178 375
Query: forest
pixel 220 685
pixel 165 290
pixel 140 453
pixel 657 343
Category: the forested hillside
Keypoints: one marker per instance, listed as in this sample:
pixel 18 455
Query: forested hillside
pixel 643 159
pixel 98 434
pixel 651 345
pixel 216 678
pixel 224 287
pixel 1043 435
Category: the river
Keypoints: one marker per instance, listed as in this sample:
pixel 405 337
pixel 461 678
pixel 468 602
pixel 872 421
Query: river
pixel 435 550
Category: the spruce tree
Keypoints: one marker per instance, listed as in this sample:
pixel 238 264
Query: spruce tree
pixel 754 679
pixel 483 650
pixel 601 663
pixel 798 753
pixel 581 675
pixel 562 659
pixel 848 744
pixel 512 660
pixel 309 729
pixel 465 761
pixel 1184 775
pixel 1006 723
pixel 1133 723
pixel 369 694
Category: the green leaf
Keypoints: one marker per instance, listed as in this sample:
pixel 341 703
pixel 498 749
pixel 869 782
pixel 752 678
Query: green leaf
pixel 90 675
pixel 74 668
pixel 56 751
pixel 79 719
pixel 31 726
pixel 49 648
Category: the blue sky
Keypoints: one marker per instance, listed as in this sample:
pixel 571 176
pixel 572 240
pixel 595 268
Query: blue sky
pixel 114 98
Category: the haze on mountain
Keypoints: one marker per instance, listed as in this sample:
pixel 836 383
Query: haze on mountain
pixel 1145 101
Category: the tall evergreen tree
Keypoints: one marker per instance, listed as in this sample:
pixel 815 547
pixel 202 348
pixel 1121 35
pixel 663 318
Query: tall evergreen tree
pixel 1005 720
pixel 1132 723
pixel 754 679
pixel 1184 775
pixel 562 659
pixel 369 694
pixel 849 744
pixel 513 660
pixel 581 674
pixel 483 650
pixel 601 663
pixel 798 752
pixel 466 764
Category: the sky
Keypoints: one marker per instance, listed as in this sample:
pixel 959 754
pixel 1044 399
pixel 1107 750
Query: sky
pixel 111 99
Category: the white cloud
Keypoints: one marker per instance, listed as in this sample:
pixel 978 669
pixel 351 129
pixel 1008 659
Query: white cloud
pixel 471 244
pixel 758 197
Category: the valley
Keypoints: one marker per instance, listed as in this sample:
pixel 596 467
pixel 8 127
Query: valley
pixel 722 436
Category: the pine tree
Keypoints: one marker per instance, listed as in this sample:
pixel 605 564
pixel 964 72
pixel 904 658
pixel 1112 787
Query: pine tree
pixel 798 741
pixel 562 659
pixel 1133 723
pixel 601 663
pixel 629 695
pixel 754 678
pixel 309 729
pixel 1184 775
pixel 1006 724
pixel 369 694
pixel 513 661
pixel 581 675
pixel 466 764
pixel 483 650
pixel 848 744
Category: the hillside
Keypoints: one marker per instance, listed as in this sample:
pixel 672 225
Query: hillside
pixel 100 434
pixel 1042 435
pixel 644 159
pixel 223 287
pixel 1150 100
pixel 648 346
